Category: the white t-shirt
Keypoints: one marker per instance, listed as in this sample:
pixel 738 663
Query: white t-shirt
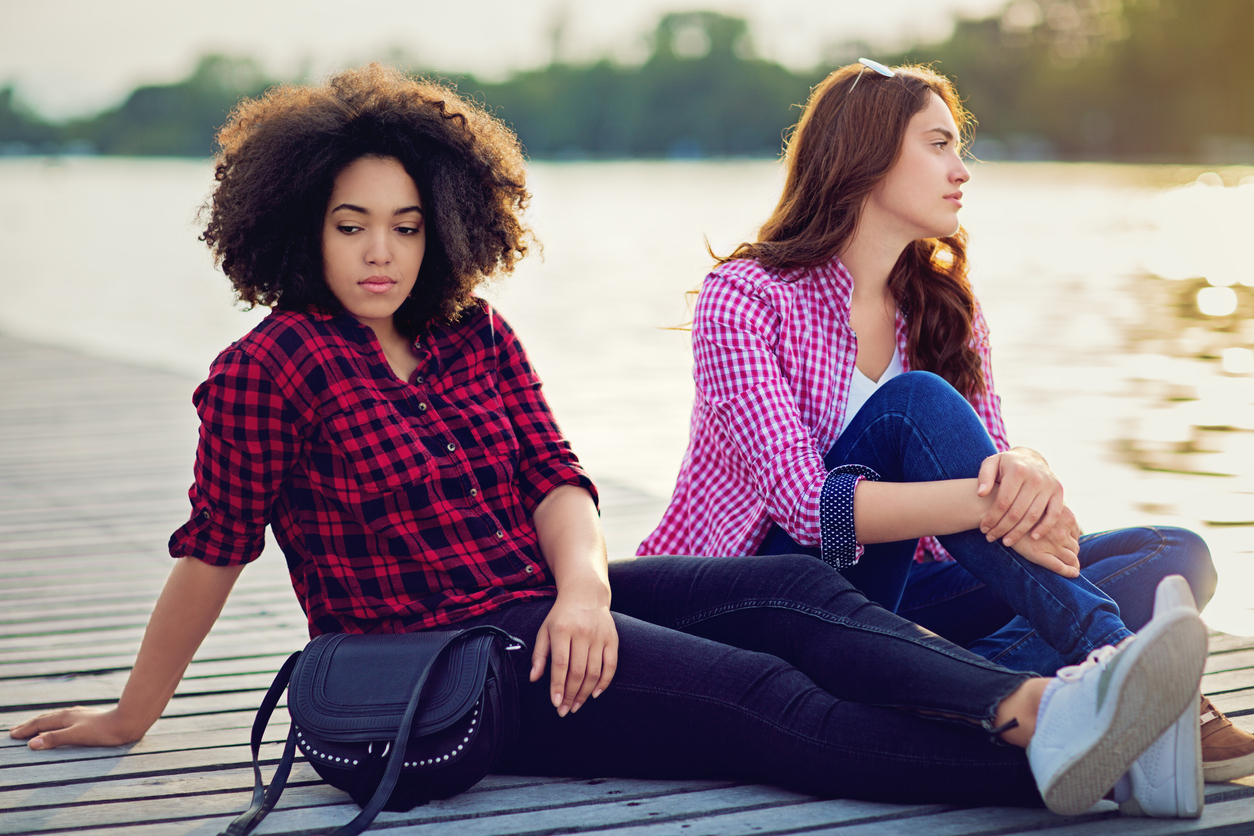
pixel 861 387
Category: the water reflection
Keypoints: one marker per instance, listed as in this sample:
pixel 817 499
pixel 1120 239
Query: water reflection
pixel 1090 276
pixel 1189 351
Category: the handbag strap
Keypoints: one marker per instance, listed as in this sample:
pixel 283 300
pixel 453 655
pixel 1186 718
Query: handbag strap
pixel 396 759
pixel 264 799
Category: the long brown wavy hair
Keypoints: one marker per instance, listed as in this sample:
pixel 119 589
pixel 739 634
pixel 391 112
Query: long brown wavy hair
pixel 279 158
pixel 848 138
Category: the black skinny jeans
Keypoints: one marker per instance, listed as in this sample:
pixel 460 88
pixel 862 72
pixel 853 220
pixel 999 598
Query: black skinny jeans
pixel 774 670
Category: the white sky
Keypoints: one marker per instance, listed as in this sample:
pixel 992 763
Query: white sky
pixel 69 57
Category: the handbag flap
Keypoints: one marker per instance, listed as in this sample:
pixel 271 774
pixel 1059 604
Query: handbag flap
pixel 352 687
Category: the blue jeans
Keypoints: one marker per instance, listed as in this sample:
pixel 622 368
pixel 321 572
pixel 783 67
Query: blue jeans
pixel 917 428
pixel 774 670
pixel 1126 564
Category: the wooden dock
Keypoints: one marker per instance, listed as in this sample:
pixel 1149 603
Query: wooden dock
pixel 95 460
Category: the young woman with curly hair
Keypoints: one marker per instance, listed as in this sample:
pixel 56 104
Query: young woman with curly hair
pixel 385 422
pixel 845 345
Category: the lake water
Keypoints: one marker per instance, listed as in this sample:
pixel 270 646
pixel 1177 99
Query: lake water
pixel 1121 301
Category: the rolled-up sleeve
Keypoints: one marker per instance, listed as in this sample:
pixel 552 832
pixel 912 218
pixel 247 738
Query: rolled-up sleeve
pixel 248 443
pixel 545 459
pixel 840 548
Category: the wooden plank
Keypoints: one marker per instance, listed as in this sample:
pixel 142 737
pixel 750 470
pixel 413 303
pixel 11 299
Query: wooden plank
pixel 235 782
pixel 319 804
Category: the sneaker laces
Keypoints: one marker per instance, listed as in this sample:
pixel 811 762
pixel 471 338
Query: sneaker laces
pixel 1096 658
pixel 1208 707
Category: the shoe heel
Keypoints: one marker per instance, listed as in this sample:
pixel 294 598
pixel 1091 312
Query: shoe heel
pixel 1172 668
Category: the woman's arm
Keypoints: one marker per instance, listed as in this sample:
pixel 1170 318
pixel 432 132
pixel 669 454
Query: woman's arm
pixel 579 631
pixel 193 596
pixel 1029 497
pixel 947 508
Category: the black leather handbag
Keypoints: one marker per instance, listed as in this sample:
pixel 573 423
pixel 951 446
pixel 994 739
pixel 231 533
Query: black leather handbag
pixel 393 720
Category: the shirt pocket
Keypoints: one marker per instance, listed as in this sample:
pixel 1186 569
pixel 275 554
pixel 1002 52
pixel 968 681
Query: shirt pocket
pixel 375 449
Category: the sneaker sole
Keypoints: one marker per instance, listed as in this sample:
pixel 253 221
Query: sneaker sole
pixel 1151 691
pixel 1218 772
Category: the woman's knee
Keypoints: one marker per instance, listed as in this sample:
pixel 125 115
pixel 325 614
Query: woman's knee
pixel 1189 556
pixel 928 401
pixel 917 386
pixel 1167 549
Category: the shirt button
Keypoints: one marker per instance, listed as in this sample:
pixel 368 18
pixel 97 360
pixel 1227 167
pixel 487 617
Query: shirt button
pixel 451 446
pixel 422 407
pixel 417 378
pixel 204 515
pixel 530 569
pixel 500 535
pixel 474 491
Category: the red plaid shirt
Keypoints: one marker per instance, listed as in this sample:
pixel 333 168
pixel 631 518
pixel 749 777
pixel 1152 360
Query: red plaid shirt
pixel 399 506
pixel 773 354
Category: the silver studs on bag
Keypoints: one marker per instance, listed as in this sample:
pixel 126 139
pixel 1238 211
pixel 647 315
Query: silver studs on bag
pixel 326 757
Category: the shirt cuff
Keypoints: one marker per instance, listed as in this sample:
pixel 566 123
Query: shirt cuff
pixel 838 542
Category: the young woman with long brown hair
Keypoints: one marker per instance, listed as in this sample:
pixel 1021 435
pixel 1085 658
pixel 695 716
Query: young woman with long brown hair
pixel 845 346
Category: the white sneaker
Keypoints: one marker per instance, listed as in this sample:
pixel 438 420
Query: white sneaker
pixel 1096 718
pixel 1166 781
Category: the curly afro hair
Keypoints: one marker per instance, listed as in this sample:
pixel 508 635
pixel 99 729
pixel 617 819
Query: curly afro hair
pixel 279 158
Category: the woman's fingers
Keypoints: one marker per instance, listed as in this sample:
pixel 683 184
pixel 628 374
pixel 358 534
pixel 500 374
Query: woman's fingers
pixel 987 477
pixel 1036 510
pixel 559 663
pixel 1053 513
pixel 1010 503
pixel 1059 562
pixel 609 666
pixel 1059 553
pixel 576 668
pixel 579 687
pixel 44 723
pixel 540 653
pixel 72 726
pixel 602 662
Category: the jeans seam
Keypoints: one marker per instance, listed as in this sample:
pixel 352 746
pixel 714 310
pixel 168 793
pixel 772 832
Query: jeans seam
pixel 774 724
pixel 815 612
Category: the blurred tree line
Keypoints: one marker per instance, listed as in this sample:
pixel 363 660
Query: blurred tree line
pixel 1048 79
pixel 1136 80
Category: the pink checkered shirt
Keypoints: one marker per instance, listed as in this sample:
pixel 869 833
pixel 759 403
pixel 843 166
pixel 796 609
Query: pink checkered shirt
pixel 773 355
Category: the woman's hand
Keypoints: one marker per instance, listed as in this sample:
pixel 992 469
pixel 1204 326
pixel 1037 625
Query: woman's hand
pixel 580 635
pixel 579 632
pixel 189 604
pixel 1028 500
pixel 1058 550
pixel 76 726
